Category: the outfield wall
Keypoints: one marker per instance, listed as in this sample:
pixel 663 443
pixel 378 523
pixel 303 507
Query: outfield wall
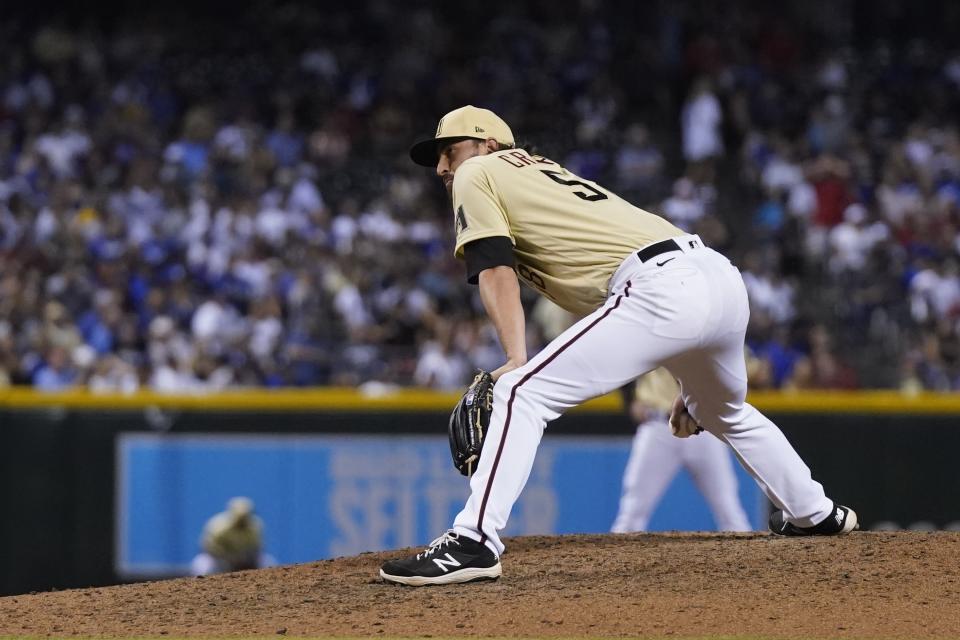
pixel 97 489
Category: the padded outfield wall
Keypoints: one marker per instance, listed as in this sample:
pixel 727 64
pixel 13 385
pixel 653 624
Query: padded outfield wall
pixel 98 490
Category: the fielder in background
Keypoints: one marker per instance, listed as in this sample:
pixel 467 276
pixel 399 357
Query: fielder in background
pixel 649 295
pixel 657 456
pixel 232 540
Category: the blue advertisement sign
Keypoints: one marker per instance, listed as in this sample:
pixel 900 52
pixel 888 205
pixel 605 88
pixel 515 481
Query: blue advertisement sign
pixel 330 496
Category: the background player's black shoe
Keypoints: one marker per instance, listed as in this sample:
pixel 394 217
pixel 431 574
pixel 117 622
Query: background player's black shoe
pixel 843 520
pixel 450 558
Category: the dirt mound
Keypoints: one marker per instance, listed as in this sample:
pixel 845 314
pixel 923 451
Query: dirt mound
pixel 877 585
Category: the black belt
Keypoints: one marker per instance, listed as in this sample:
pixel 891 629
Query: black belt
pixel 657 248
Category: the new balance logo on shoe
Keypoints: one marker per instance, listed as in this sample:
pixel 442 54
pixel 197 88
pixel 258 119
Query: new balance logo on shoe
pixel 463 560
pixel 839 516
pixel 449 562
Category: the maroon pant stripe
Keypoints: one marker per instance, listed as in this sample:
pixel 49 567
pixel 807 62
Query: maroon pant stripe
pixel 513 395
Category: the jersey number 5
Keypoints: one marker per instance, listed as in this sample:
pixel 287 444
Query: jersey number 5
pixel 594 195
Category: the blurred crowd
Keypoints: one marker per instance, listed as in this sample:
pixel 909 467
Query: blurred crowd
pixel 189 205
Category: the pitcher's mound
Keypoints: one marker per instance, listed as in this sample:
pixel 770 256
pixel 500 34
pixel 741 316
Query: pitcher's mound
pixel 876 585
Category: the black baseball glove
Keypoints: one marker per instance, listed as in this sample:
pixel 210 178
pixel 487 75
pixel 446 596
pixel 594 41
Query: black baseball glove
pixel 468 423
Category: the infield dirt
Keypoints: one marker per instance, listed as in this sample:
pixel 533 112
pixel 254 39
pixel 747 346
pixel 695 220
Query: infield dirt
pixel 866 585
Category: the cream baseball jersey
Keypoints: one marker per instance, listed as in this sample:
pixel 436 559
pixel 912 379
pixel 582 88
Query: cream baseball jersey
pixel 569 235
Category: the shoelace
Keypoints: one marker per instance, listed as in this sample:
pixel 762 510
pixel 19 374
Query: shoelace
pixel 446 538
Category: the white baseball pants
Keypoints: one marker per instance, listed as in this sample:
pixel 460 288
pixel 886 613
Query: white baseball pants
pixel 656 456
pixel 686 310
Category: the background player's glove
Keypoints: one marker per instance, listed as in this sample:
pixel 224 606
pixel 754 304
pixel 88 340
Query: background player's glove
pixel 682 424
pixel 468 423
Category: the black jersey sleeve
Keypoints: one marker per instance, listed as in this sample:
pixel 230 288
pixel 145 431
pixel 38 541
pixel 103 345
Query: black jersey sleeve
pixel 486 253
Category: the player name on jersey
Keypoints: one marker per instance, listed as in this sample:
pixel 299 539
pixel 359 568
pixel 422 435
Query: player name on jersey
pixel 569 234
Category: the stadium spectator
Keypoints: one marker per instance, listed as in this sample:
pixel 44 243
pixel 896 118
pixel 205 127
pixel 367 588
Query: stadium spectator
pixel 684 207
pixel 852 241
pixel 821 367
pixel 701 118
pixel 639 166
pixel 56 373
pixel 440 365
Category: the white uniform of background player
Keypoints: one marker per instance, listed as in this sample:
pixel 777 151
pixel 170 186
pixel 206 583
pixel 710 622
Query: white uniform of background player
pixel 657 456
pixel 650 296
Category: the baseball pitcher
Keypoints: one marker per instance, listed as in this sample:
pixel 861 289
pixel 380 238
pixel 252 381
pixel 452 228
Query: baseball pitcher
pixel 650 296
